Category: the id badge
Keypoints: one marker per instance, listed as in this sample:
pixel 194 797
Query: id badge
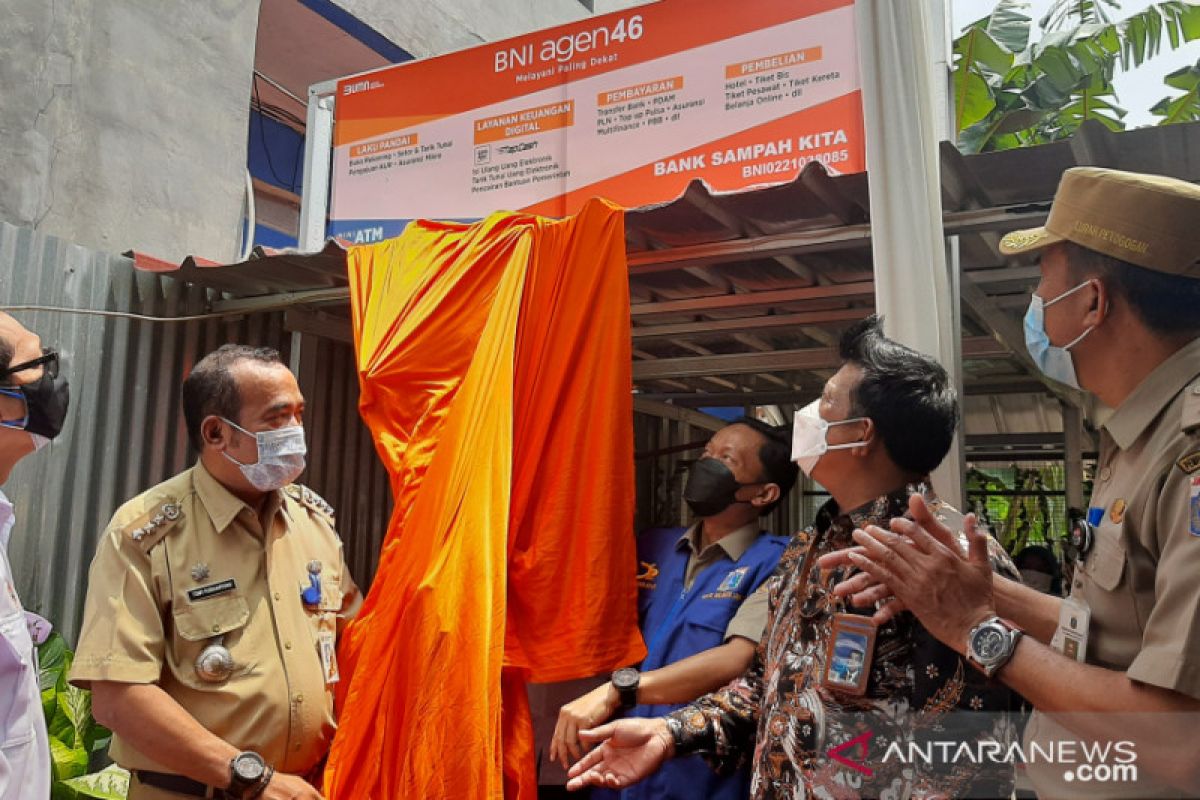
pixel 327 647
pixel 1070 638
pixel 851 650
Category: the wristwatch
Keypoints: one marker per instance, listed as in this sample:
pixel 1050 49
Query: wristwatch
pixel 247 772
pixel 625 681
pixel 991 643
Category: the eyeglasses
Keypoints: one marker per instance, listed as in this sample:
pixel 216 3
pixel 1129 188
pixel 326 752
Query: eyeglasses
pixel 48 359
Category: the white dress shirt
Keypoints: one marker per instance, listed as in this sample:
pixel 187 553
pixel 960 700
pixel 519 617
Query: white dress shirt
pixel 24 746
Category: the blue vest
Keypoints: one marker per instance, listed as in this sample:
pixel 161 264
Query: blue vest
pixel 678 624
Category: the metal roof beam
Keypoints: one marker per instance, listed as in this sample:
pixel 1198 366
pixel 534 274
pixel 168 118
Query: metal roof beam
pixel 750 323
pixel 847 236
pixel 778 361
pixel 773 297
pixel 696 419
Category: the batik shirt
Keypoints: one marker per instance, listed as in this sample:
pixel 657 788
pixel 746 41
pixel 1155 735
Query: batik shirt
pixel 780 716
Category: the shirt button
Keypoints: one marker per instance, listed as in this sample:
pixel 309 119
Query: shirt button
pixel 287 645
pixel 1105 474
pixel 216 628
pixel 299 697
pixel 278 596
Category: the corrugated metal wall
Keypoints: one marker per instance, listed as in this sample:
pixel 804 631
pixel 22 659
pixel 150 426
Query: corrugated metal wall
pixel 125 431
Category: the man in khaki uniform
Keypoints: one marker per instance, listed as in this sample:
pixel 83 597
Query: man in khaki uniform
pixel 215 600
pixel 1117 312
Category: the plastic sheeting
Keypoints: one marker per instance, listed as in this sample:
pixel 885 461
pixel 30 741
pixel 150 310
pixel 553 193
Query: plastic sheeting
pixel 913 288
pixel 495 368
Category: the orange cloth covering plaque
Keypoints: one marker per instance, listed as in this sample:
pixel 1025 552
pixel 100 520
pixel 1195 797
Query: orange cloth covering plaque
pixel 495 367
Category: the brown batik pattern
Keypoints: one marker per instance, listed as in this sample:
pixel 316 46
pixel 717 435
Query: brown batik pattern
pixel 778 715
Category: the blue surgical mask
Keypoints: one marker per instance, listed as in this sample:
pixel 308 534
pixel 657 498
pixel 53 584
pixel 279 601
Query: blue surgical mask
pixel 1054 362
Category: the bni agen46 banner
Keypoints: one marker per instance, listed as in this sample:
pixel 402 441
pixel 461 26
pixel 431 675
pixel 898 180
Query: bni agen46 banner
pixel 630 106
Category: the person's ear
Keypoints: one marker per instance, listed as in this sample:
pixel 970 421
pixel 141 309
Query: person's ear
pixel 1099 304
pixel 868 438
pixel 212 432
pixel 767 495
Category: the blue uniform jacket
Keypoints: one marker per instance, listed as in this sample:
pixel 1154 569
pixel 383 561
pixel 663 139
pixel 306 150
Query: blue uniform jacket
pixel 678 624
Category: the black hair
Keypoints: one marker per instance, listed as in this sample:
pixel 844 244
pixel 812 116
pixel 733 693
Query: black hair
pixel 905 393
pixel 210 389
pixel 1041 559
pixel 775 453
pixel 6 355
pixel 1168 305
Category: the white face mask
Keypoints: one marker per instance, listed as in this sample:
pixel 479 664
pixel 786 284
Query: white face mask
pixel 809 432
pixel 280 457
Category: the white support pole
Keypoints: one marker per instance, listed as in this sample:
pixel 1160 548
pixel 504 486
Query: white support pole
pixel 904 114
pixel 318 152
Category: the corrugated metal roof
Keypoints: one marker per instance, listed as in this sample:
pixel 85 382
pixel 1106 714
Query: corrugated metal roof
pixel 745 294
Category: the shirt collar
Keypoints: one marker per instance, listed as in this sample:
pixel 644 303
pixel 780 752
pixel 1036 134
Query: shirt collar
pixel 8 518
pixel 1153 394
pixel 879 511
pixel 220 503
pixel 735 543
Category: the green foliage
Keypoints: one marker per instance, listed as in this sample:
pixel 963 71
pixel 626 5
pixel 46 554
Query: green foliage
pixel 1010 92
pixel 111 783
pixel 76 739
pixel 1185 108
pixel 1015 502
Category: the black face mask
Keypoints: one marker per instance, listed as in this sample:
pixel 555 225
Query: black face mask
pixel 46 402
pixel 710 487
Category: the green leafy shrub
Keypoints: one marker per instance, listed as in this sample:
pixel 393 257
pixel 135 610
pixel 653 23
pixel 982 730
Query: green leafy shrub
pixel 77 741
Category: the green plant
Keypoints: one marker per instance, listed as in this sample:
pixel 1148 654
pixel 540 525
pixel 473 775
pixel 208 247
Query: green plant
pixel 76 739
pixel 1185 108
pixel 1011 92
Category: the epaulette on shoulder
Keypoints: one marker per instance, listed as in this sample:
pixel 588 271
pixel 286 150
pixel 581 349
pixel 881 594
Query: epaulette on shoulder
pixel 306 496
pixel 146 531
pixel 1191 409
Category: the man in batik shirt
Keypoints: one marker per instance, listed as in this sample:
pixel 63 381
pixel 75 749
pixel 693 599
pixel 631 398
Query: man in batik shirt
pixel 884 421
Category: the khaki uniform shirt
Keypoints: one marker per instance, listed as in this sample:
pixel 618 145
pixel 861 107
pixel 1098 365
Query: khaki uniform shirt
pixel 750 619
pixel 1141 578
pixel 187 562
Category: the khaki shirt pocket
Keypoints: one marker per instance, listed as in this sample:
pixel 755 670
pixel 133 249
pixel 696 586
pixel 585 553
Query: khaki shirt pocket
pixel 198 624
pixel 1106 565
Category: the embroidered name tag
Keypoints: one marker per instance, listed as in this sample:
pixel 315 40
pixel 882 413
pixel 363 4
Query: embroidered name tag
pixel 212 590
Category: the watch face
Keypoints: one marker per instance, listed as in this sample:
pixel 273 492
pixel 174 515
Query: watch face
pixel 625 678
pixel 989 644
pixel 249 767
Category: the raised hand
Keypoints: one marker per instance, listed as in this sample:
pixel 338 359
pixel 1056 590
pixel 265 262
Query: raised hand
pixel 629 750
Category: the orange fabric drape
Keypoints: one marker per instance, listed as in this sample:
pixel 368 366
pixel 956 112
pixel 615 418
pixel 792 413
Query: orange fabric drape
pixel 494 361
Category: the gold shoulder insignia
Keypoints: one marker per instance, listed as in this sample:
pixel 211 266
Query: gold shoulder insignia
pixel 149 528
pixel 306 496
pixel 1190 463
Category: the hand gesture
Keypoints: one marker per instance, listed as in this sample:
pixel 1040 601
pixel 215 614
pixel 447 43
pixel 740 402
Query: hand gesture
pixel 594 708
pixel 923 564
pixel 629 750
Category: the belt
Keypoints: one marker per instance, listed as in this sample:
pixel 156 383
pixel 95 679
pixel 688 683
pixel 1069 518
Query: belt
pixel 179 784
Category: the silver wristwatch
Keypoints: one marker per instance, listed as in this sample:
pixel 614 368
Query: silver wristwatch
pixel 991 643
